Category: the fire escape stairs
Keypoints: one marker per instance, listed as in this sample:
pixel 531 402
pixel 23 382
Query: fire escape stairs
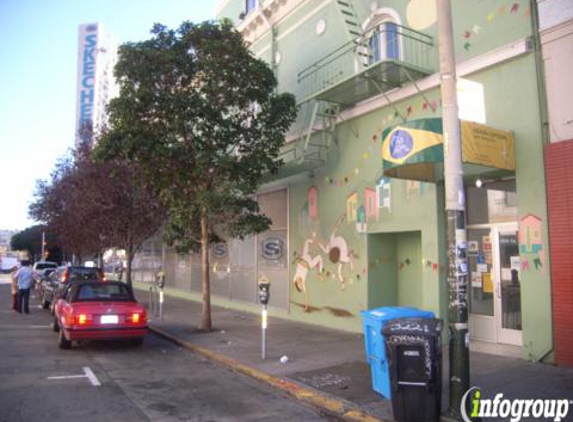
pixel 322 116
pixel 354 29
pixel 319 132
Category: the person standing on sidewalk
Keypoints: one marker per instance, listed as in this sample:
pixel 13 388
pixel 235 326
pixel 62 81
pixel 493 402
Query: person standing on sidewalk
pixel 14 286
pixel 25 280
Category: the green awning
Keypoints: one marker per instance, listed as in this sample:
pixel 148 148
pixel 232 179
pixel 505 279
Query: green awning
pixel 414 151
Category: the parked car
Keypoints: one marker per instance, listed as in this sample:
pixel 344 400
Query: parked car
pixel 43 269
pixel 50 288
pixel 99 311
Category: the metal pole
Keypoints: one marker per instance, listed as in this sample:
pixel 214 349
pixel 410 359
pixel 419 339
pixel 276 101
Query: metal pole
pixel 160 304
pixel 455 213
pixel 264 332
pixel 43 246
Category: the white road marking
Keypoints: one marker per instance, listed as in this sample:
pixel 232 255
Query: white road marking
pixel 91 376
pixel 38 326
pixel 63 377
pixel 88 373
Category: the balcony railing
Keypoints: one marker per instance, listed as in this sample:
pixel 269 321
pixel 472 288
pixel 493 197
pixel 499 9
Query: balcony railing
pixel 380 60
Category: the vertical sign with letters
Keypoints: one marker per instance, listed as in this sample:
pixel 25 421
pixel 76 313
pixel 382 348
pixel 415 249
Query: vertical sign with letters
pixel 87 65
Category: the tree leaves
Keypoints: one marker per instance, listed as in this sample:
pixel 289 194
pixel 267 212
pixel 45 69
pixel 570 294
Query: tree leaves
pixel 91 206
pixel 185 114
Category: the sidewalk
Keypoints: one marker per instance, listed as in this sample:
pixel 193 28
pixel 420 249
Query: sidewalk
pixel 326 367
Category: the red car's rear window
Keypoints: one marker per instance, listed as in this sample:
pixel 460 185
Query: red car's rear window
pixel 103 292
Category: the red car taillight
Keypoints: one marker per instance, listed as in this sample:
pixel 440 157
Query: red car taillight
pixel 83 319
pixel 137 317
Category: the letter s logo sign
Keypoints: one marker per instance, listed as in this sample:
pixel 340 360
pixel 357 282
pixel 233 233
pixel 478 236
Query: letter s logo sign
pixel 272 248
pixel 220 250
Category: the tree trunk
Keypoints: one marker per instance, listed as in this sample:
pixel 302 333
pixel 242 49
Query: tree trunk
pixel 206 285
pixel 129 254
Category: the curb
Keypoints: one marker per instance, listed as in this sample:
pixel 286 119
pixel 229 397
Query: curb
pixel 321 401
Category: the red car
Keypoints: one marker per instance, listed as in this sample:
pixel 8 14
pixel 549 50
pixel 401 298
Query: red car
pixel 98 310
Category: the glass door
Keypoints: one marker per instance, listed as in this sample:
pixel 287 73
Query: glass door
pixel 481 288
pixel 495 292
pixel 508 286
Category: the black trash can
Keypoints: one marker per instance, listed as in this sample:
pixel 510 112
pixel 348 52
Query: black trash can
pixel 414 353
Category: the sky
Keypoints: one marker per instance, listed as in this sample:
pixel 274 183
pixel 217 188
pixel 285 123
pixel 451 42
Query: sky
pixel 38 68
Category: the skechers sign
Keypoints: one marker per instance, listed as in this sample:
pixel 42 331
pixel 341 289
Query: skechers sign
pixel 401 144
pixel 87 77
pixel 272 248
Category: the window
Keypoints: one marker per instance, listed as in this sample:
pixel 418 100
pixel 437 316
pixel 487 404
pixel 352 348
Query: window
pixel 103 292
pixel 250 5
pixel 384 43
pixel 382 32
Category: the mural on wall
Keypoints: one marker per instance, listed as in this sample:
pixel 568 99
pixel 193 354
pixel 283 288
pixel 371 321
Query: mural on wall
pixel 371 200
pixel 384 194
pixel 361 224
pixel 363 193
pixel 305 263
pixel 338 251
pixel 531 243
pixel 351 207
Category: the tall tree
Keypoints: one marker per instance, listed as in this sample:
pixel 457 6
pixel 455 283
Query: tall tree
pixel 200 114
pixel 29 240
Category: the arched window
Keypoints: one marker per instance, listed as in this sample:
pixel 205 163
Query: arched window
pixel 382 32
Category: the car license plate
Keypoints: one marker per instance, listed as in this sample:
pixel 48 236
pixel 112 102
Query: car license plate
pixel 109 319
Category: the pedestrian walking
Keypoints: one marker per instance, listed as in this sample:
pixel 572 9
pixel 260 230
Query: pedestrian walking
pixel 25 279
pixel 14 286
pixel 119 272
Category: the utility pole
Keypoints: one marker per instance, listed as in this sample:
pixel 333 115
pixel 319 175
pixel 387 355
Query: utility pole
pixel 455 214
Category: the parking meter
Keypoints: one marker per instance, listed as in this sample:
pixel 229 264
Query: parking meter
pixel 264 290
pixel 264 296
pixel 160 279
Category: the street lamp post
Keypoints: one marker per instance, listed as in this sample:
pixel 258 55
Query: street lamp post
pixel 455 214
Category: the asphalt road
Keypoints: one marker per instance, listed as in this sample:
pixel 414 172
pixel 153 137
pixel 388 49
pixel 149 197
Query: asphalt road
pixel 121 383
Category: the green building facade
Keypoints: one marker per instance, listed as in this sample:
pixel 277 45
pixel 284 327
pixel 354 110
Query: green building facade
pixel 353 232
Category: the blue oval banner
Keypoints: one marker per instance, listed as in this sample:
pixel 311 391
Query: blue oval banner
pixel 401 144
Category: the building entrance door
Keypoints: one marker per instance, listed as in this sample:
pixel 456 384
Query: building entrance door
pixel 495 292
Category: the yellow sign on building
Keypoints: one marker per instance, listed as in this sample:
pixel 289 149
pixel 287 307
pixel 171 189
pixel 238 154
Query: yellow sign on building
pixel 486 146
